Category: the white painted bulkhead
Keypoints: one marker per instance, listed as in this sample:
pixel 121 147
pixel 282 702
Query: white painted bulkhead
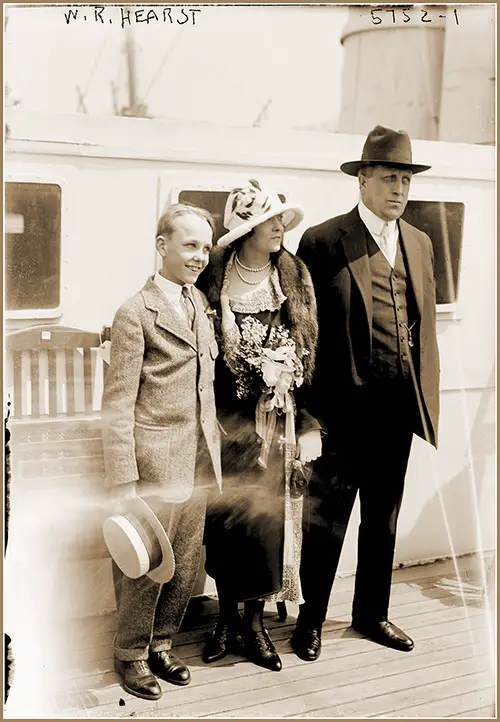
pixel 117 174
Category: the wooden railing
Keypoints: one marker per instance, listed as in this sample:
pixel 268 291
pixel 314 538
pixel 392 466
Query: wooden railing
pixel 54 379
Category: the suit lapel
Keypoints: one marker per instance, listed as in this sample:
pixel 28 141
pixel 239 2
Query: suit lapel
pixel 167 316
pixel 411 248
pixel 356 251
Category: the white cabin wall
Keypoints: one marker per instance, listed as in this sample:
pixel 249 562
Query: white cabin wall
pixel 116 250
pixel 450 498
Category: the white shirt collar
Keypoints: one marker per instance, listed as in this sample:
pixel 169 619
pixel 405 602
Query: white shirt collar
pixel 374 223
pixel 172 290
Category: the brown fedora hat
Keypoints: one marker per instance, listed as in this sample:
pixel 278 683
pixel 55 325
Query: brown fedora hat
pixel 138 543
pixel 384 146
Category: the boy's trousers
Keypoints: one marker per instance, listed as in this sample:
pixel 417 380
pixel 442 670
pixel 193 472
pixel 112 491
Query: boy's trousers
pixel 150 613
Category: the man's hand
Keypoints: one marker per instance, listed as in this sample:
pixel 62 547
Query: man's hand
pixel 121 495
pixel 309 446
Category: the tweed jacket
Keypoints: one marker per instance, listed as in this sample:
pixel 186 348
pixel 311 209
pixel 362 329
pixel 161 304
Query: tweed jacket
pixel 158 395
pixel 336 254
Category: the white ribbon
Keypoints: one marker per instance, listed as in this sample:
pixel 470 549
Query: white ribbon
pixel 266 418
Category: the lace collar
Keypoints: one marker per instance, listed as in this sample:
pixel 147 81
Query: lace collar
pixel 267 297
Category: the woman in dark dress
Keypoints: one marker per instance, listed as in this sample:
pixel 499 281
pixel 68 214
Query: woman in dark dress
pixel 267 330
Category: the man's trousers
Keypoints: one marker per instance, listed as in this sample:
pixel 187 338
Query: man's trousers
pixel 372 460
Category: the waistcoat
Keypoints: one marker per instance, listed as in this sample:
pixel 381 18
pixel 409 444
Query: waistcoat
pixel 392 305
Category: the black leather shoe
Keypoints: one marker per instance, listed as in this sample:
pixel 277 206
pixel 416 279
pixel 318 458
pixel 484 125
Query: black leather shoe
pixel 136 678
pixel 224 639
pixel 260 650
pixel 384 632
pixel 169 667
pixel 306 642
pixel 282 611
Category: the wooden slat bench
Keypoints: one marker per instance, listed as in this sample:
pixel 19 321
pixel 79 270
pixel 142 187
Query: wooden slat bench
pixel 55 373
pixel 54 379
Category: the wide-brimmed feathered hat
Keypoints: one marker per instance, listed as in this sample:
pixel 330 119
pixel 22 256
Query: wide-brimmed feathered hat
pixel 250 206
pixel 138 543
pixel 384 146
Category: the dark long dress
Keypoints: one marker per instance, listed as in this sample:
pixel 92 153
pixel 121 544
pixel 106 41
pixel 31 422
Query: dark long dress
pixel 245 529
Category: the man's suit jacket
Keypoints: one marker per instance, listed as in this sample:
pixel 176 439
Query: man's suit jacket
pixel 336 254
pixel 158 391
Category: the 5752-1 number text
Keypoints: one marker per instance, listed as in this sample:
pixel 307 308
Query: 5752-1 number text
pixel 408 15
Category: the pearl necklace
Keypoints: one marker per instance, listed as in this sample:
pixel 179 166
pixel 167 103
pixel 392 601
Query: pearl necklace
pixel 252 283
pixel 252 270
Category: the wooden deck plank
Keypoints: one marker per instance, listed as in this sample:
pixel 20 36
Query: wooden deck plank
pixel 245 677
pixel 90 661
pixel 375 661
pixel 344 593
pixel 488 711
pixel 166 707
pixel 333 634
pixel 372 697
pixel 455 706
pixel 341 639
pixel 467 565
pixel 99 631
pixel 451 652
pixel 464 563
pixel 382 705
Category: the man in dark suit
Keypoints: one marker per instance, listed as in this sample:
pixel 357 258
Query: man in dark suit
pixel 376 383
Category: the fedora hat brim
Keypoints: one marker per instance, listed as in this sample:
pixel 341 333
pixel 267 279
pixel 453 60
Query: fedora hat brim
pixel 297 214
pixel 353 167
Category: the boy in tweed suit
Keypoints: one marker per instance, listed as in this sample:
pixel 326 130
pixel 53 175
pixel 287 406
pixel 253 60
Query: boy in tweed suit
pixel 161 436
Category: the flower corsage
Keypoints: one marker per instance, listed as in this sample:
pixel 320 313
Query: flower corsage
pixel 274 367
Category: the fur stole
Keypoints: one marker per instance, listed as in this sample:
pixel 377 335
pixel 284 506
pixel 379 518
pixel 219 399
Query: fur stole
pixel 296 284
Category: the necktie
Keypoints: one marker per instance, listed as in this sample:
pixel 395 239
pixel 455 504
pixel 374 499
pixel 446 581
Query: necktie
pixel 188 306
pixel 384 240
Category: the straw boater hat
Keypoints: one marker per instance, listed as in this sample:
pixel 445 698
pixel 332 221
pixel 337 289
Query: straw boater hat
pixel 250 206
pixel 384 146
pixel 138 543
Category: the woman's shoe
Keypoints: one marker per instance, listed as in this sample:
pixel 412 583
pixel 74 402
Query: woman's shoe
pixel 282 611
pixel 224 639
pixel 260 650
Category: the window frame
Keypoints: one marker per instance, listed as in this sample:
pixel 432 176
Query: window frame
pixel 446 311
pixel 20 176
pixel 452 308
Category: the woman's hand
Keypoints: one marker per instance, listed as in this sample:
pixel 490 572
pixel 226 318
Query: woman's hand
pixel 228 317
pixel 309 446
